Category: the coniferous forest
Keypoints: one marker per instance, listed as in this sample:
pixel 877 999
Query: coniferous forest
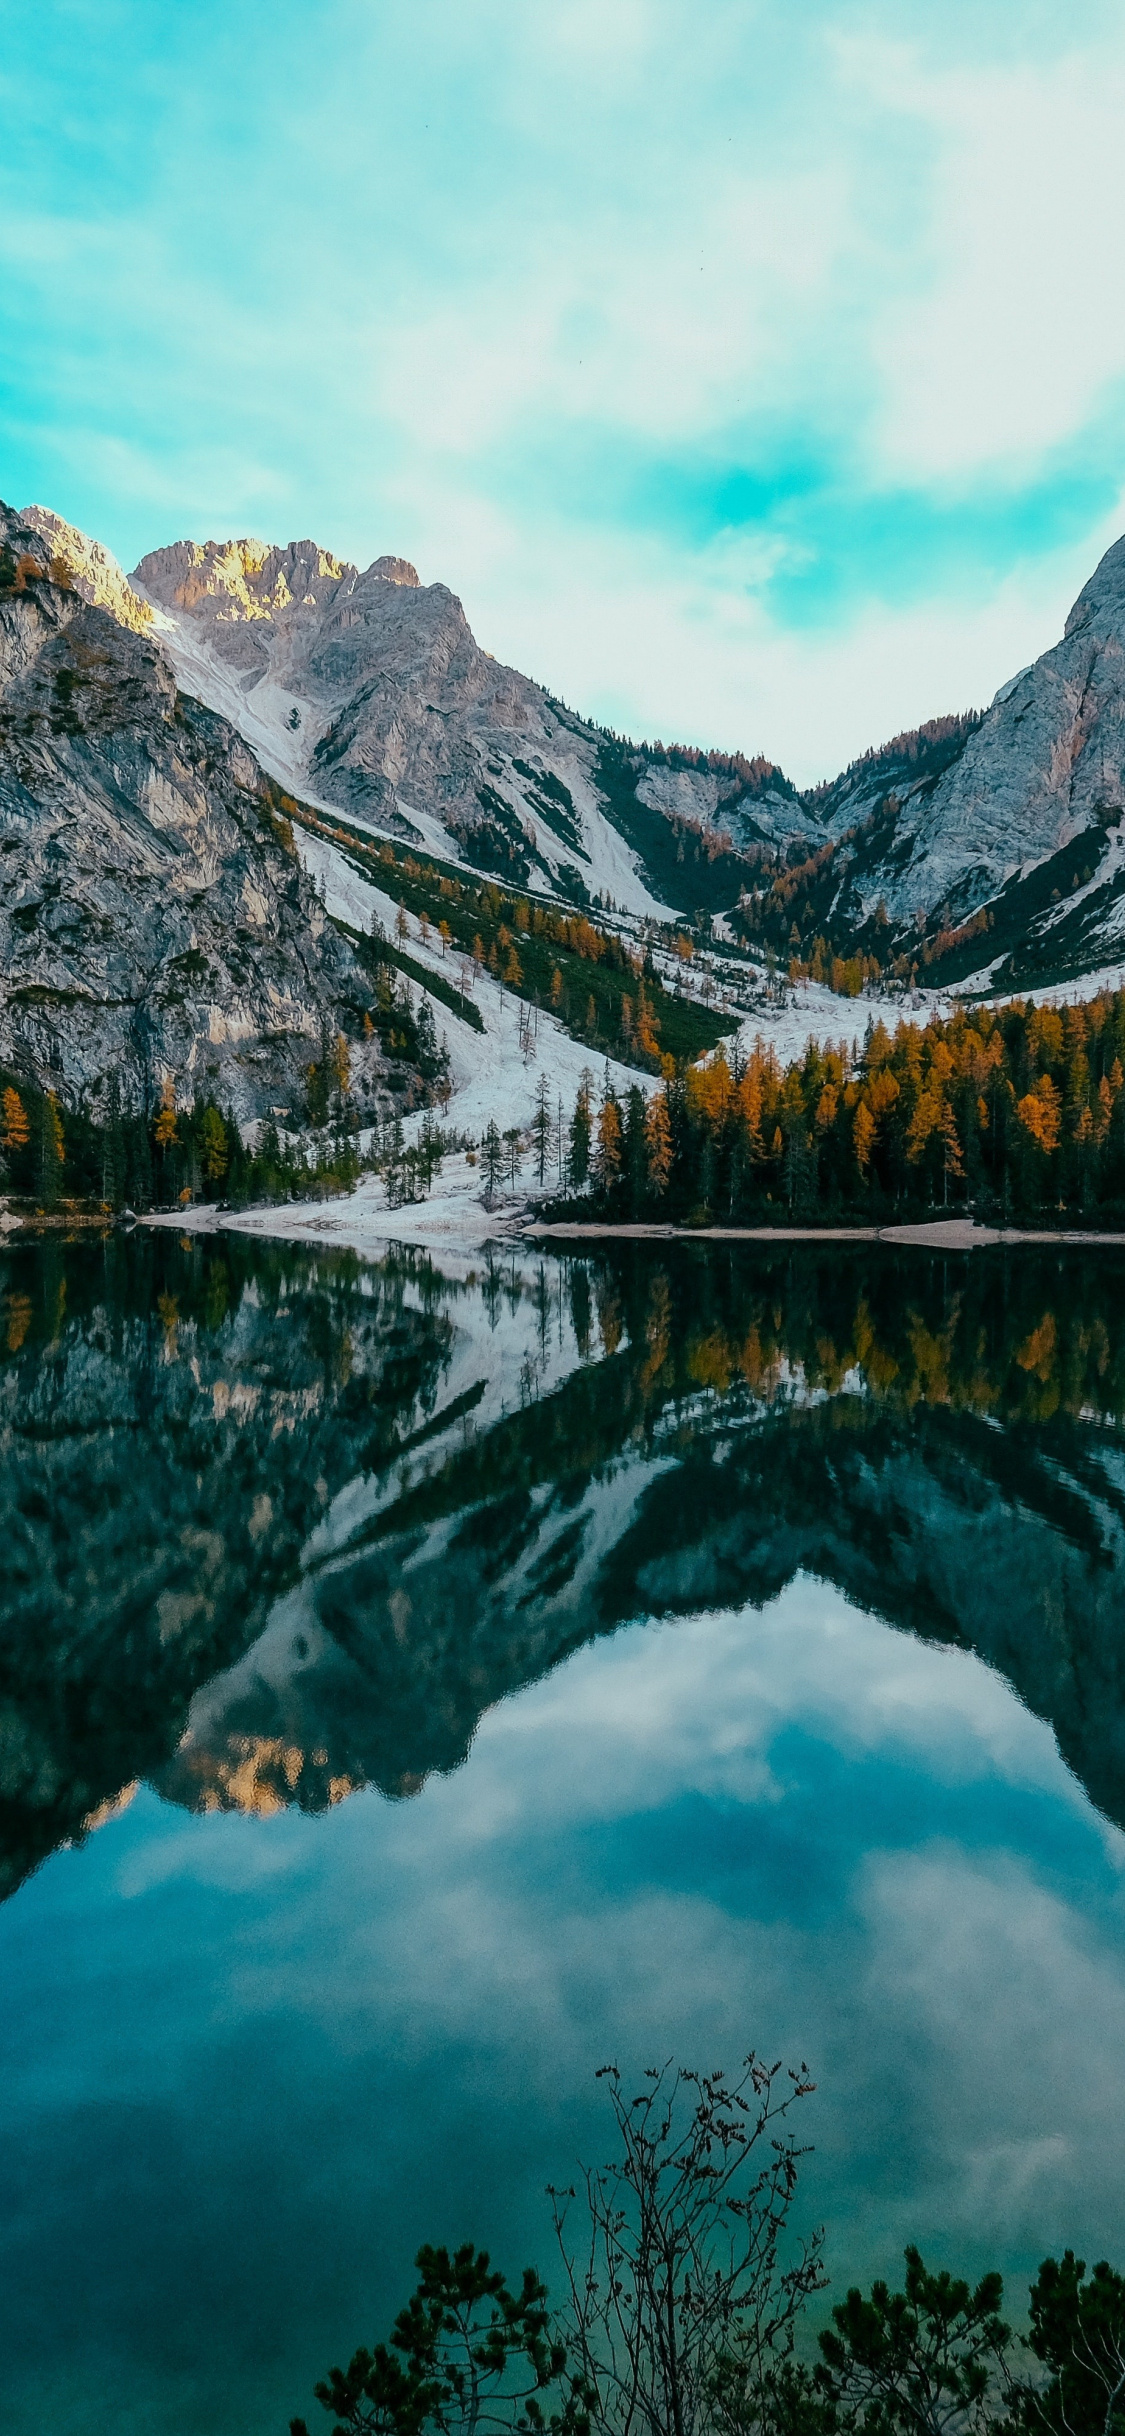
pixel 1015 1113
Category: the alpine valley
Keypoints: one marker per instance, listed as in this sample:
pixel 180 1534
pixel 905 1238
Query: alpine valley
pixel 198 760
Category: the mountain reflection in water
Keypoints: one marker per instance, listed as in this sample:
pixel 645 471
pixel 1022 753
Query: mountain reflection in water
pixel 279 1524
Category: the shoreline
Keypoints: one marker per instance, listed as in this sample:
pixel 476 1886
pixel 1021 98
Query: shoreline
pixel 938 1234
pixel 469 1228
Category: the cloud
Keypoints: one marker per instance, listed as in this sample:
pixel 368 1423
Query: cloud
pixel 755 377
pixel 282 2053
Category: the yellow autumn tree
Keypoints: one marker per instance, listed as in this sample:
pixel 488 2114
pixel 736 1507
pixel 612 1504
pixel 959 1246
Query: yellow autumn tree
pixel 15 1130
pixel 925 1122
pixel 166 1116
pixel 863 1136
pixel 1040 1114
pixel 607 1157
pixel 658 1141
pixel 213 1147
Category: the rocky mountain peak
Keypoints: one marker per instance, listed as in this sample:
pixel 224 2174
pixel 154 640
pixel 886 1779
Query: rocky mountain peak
pixel 1101 600
pixel 235 581
pixel 396 571
pixel 90 570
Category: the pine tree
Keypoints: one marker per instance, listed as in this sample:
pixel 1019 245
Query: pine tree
pixel 635 1149
pixel 214 1150
pixel 51 1150
pixel 491 1159
pixel 113 1148
pixel 581 1132
pixel 541 1129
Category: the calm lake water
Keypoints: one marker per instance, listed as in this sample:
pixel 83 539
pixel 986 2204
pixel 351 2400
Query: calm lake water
pixel 416 1691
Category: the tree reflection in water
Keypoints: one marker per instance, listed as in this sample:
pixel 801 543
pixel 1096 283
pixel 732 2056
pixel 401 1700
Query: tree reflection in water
pixel 280 1523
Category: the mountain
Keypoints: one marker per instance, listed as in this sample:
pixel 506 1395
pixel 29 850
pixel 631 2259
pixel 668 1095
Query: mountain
pixel 1000 850
pixel 982 844
pixel 156 923
pixel 368 693
pixel 977 841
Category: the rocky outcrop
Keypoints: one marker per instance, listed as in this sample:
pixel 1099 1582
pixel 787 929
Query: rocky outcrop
pixel 1022 833
pixel 1046 763
pixel 760 809
pixel 369 691
pixel 88 569
pixel 156 924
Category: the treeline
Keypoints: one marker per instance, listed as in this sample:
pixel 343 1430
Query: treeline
pixel 758 774
pixel 54 1159
pixel 183 1150
pixel 1017 1340
pixel 929 749
pixel 682 2295
pixel 601 989
pixel 1013 1111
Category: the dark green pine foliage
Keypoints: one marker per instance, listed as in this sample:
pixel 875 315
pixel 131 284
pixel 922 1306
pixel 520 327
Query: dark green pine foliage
pixel 1078 2332
pixel 467 2356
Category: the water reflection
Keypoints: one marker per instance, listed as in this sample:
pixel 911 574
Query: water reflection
pixel 281 1525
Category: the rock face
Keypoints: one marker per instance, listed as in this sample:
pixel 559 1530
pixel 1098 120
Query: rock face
pixel 1047 762
pixel 90 570
pixel 1023 824
pixel 369 692
pixel 155 921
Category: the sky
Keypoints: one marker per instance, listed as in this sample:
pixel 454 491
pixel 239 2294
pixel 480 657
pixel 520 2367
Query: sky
pixel 754 371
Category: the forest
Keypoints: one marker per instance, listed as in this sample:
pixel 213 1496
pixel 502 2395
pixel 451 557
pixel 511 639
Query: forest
pixel 1013 1112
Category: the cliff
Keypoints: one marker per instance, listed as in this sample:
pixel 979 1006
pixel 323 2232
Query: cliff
pixel 155 920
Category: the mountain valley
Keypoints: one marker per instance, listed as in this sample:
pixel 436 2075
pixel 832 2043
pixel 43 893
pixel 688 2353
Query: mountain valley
pixel 178 744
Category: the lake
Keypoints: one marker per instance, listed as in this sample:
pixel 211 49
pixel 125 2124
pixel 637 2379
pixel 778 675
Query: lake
pixel 417 1690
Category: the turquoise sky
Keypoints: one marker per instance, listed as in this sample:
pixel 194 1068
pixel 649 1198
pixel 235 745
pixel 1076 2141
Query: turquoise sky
pixel 754 372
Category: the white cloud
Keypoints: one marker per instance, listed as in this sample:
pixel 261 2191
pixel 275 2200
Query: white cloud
pixel 588 258
pixel 1013 330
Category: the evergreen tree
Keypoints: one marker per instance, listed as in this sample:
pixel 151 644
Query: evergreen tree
pixel 113 1148
pixel 51 1151
pixel 491 1158
pixel 581 1134
pixel 541 1129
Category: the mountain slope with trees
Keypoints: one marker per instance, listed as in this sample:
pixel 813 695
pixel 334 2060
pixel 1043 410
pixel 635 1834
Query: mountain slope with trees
pixel 984 844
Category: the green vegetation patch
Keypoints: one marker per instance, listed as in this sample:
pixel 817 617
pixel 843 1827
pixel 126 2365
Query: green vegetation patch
pixel 600 989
